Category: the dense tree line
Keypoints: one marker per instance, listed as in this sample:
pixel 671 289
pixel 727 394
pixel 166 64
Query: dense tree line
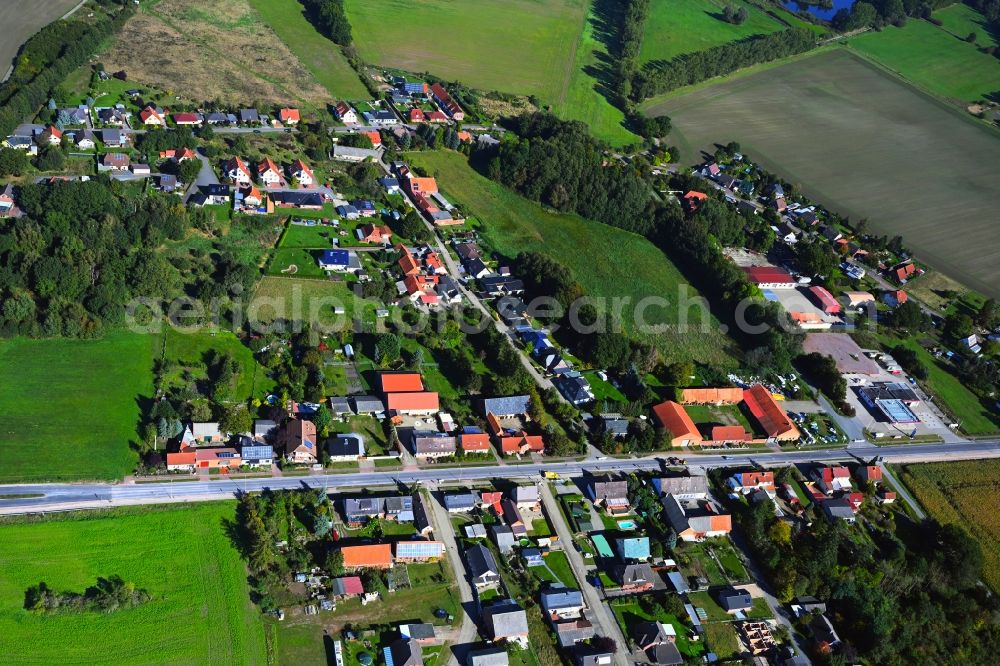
pixel 663 76
pixel 633 26
pixel 902 593
pixel 106 596
pixel 880 13
pixel 560 165
pixel 82 251
pixel 330 19
pixel 47 59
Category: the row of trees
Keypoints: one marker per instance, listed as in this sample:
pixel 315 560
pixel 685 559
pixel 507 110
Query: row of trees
pixel 105 596
pixel 880 13
pixel 47 59
pixel 629 43
pixel 663 76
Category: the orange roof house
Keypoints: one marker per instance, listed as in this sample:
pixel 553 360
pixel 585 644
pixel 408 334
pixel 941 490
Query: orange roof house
pixel 772 418
pixel 181 460
pixel 872 473
pixel 289 116
pixel 375 137
pixel 693 199
pixel 376 556
pixel 407 263
pixel 375 233
pixel 475 441
pixel 676 421
pixel 417 116
pixel 397 382
pixel 416 402
pixel 904 271
pixel 522 443
pixel 712 396
pixel 723 434
pixel 422 185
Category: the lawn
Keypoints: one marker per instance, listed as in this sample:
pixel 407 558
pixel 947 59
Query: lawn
pixel 293 298
pixel 694 560
pixel 960 20
pixel 963 493
pixel 200 611
pixel 305 262
pixel 706 416
pixel 319 55
pixel 935 59
pixel 857 140
pixel 975 416
pixel 71 407
pixel 371 429
pixel 302 236
pixel 705 600
pixel 512 224
pixel 558 563
pixel 190 353
pixel 583 97
pixel 603 390
pixel 631 614
pixel 674 27
pixel 515 46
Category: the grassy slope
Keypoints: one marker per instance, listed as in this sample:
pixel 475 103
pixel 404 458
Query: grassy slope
pixel 191 351
pixel 607 262
pixel 684 26
pixel 320 56
pixel 582 100
pixel 857 140
pixel 200 611
pixel 70 406
pixel 519 46
pixel 306 296
pixel 960 20
pixel 934 59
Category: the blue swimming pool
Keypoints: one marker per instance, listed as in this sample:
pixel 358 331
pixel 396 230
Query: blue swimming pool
pixel 627 524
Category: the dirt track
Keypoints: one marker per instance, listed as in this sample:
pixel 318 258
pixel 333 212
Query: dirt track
pixel 21 20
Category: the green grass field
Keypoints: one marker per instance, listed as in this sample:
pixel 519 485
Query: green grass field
pixel 284 297
pixel 303 260
pixel 71 407
pixel 190 351
pixel 320 56
pixel 684 26
pixel 935 58
pixel 519 46
pixel 857 140
pixel 631 614
pixel 608 262
pixel 963 493
pixel 200 611
pixel 582 99
pixel 960 20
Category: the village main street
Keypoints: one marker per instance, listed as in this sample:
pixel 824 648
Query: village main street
pixel 43 497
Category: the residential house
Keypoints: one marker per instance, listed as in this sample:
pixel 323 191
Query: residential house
pixel 375 233
pixel 298 439
pixel 351 154
pixel 734 600
pixel 429 445
pixel 526 497
pixel 475 531
pixel 112 116
pixel 368 405
pixel 592 657
pixel 522 443
pixel 419 551
pixel 84 139
pixel 217 118
pixel 769 415
pixel 347 586
pixel 235 170
pixel 403 652
pixel 422 632
pixel 346 447
pixel 418 403
pixel 289 116
pixel 301 172
pixel 215 194
pixel 187 119
pixel 255 454
pixel 345 114
pixel 114 162
pixel 445 101
pixel 562 603
pixel 508 407
pixel 375 556
pixel 380 118
pixel 249 117
pixel 359 511
pixel 268 172
pixel 114 138
pixel 52 136
pixel 610 494
pixel 840 508
pixel 832 479
pixel 658 641
pixel 399 508
pixel 167 182
pixel 504 537
pixel 574 387
pixel 507 621
pixel 679 426
pixel 500 285
pixel 421 516
pixel 512 516
pixel 490 657
pixel 869 474
pixel 825 635
pixel 264 430
pixel 684 488
pixel 152 116
pixel 340 261
pixel 460 502
pixel 483 569
pixel 476 268
pixel 746 482
pixel 217 458
pixel 571 632
pixel 8 206
pixel 178 155
pixel 633 548
pixel 695 520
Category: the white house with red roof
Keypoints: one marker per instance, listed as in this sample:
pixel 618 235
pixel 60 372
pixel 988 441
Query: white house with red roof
pixel 268 172
pixel 289 116
pixel 345 113
pixel 152 115
pixel 187 119
pixel 52 135
pixel 236 171
pixel 301 172
pixel 832 479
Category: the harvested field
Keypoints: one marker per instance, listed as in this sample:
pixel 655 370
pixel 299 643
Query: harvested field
pixel 213 51
pixel 934 289
pixel 867 145
pixel 20 20
pixel 963 493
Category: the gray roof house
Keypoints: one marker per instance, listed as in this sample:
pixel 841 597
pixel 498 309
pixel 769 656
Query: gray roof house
pixel 483 569
pixel 503 537
pixel 733 600
pixel 595 659
pixel 422 631
pixel 656 639
pixel 508 407
pixel 488 657
pixel 682 487
pixel 249 116
pixel 359 510
pixel 264 429
pixel 428 444
pixel 257 455
pixel 526 496
pixel 403 652
pixel 823 631
pixel 613 495
pixel 368 404
pixel 459 502
pixel 340 406
pixel 399 508
pixel 421 519
pixel 838 509
pixel 574 387
pixel 561 601
pixel 571 632
pixel 346 446
pixel 506 620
